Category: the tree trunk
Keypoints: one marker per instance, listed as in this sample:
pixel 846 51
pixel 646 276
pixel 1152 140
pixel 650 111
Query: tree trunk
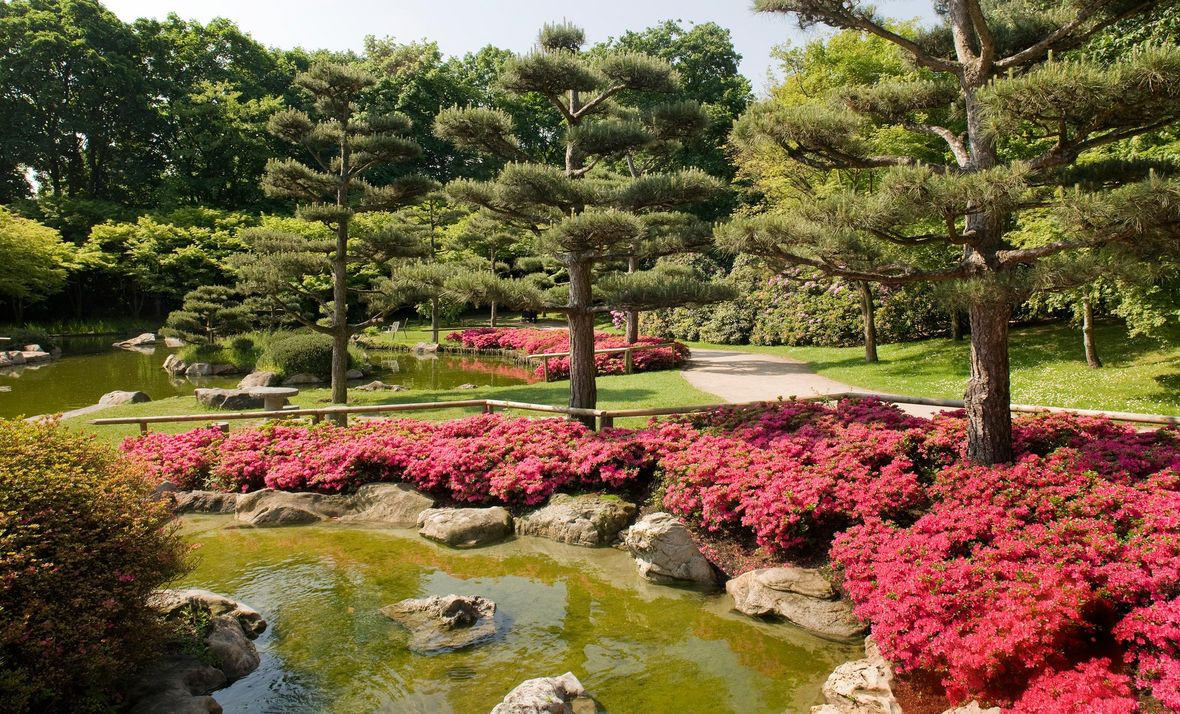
pixel 1088 335
pixel 493 316
pixel 583 390
pixel 434 319
pixel 869 320
pixel 632 315
pixel 988 398
pixel 956 325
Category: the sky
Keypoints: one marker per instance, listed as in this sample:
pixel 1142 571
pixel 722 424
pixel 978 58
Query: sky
pixel 460 26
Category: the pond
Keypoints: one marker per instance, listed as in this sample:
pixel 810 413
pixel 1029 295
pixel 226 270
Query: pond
pixel 90 367
pixel 634 646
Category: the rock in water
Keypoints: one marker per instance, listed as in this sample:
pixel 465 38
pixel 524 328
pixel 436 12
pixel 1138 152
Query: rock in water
pixel 548 695
pixel 111 399
pixel 589 520
pixel 142 340
pixel 799 595
pixel 198 369
pixel 259 379
pixel 268 507
pixel 174 342
pixel 666 553
pixel 233 653
pixel 445 623
pixel 173 364
pixel 175 684
pixel 170 603
pixel 426 347
pixel 465 527
pixel 392 504
pixel 863 686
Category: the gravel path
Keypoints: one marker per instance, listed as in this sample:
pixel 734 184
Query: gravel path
pixel 749 377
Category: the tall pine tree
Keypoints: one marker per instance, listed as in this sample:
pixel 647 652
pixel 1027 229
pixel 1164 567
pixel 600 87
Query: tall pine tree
pixel 997 125
pixel 590 219
pixel 310 276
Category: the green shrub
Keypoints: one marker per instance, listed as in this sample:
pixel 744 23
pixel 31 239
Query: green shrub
pixel 82 544
pixel 242 351
pixel 302 353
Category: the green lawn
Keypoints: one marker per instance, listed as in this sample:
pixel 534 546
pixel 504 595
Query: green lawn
pixel 651 389
pixel 1048 367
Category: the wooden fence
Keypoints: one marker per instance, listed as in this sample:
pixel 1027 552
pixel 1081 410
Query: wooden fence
pixel 605 418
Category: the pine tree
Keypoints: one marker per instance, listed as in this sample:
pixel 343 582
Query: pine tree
pixel 586 217
pixel 309 275
pixel 208 312
pixel 997 125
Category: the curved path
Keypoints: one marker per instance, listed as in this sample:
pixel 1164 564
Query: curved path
pixel 750 377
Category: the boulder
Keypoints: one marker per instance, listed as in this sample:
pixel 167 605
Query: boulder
pixel 231 651
pixel 378 385
pixel 666 553
pixel 204 502
pixel 354 374
pixel 799 595
pixel 36 356
pixel 11 359
pixel 232 399
pixel 863 686
pixel 111 399
pixel 973 707
pixel 548 695
pixel 172 603
pixel 441 624
pixel 174 342
pixel 259 379
pixel 219 369
pixel 175 684
pixel 589 520
pixel 32 348
pixel 427 347
pixel 391 504
pixel 268 507
pixel 301 378
pixel 465 527
pixel 198 369
pixel 173 364
pixel 143 340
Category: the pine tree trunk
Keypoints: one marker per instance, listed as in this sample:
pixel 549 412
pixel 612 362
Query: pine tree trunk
pixel 1088 335
pixel 632 315
pixel 583 390
pixel 988 398
pixel 956 325
pixel 869 320
pixel 340 323
pixel 493 317
pixel 434 320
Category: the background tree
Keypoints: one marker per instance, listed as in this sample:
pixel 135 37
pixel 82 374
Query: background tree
pixel 585 219
pixel 209 312
pixel 33 261
pixel 994 132
pixel 344 145
pixel 494 245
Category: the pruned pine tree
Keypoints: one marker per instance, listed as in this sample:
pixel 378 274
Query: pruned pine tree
pixel 996 129
pixel 207 313
pixel 310 277
pixel 585 216
pixel 490 240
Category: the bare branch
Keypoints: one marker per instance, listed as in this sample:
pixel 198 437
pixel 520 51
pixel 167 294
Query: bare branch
pixel 955 142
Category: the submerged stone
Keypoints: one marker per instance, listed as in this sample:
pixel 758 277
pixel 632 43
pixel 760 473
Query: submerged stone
pixel 444 623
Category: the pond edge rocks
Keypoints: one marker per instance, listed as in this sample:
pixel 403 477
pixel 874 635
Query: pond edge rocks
pixel 800 595
pixel 590 519
pixel 465 527
pixel 548 695
pixel 665 552
pixel 863 686
pixel 391 504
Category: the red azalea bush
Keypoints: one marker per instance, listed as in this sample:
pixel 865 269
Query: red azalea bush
pixel 1050 584
pixel 534 341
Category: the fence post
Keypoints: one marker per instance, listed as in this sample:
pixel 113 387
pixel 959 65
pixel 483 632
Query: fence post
pixel 223 426
pixel 629 360
pixel 315 418
pixel 605 421
pixel 488 408
pixel 143 427
pixel 545 368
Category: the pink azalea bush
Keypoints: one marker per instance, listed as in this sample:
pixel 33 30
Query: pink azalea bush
pixel 534 341
pixel 1048 584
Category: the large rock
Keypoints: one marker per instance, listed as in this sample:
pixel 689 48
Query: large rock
pixel 863 686
pixel 445 623
pixel 174 365
pixel 177 602
pixel 391 504
pixel 378 386
pixel 143 340
pixel 175 684
pixel 799 595
pixel 548 695
pixel 259 379
pixel 666 553
pixel 268 507
pixel 231 399
pixel 36 356
pixel 590 519
pixel 296 380
pixel 220 369
pixel 11 359
pixel 354 374
pixel 465 527
pixel 174 342
pixel 198 369
pixel 230 649
pixel 204 502
pixel 426 347
pixel 112 399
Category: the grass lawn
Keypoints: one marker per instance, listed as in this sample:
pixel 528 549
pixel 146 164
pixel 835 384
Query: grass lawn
pixel 650 389
pixel 1048 367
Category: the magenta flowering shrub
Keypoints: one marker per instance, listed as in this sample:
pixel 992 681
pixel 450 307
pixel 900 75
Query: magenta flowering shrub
pixel 1048 585
pixel 535 341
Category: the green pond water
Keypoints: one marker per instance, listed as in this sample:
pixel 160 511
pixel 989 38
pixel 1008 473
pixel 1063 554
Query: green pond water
pixel 636 647
pixel 91 367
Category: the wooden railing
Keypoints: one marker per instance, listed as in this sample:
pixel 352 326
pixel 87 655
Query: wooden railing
pixel 605 418
pixel 628 355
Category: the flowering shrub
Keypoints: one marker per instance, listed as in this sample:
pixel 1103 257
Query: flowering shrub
pixel 184 459
pixel 1049 584
pixel 533 341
